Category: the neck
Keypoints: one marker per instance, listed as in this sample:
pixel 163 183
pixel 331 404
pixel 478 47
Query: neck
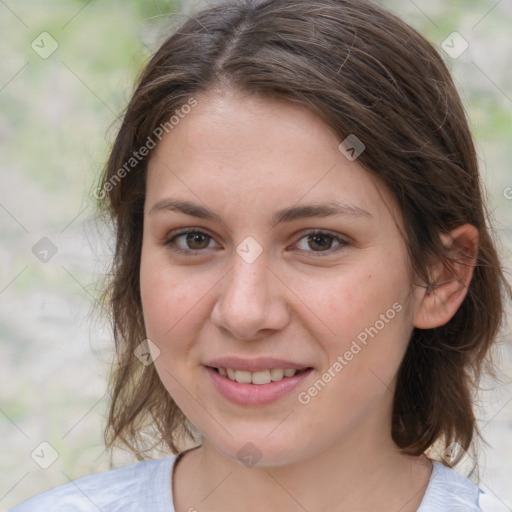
pixel 364 471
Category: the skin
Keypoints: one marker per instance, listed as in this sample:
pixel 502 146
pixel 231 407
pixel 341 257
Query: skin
pixel 244 158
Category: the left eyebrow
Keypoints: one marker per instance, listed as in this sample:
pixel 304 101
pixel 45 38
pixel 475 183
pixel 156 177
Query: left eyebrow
pixel 289 214
pixel 318 210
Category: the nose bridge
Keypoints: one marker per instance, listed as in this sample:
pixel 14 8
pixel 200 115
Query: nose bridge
pixel 248 282
pixel 250 299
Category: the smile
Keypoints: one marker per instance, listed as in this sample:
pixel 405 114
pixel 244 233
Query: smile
pixel 257 388
pixel 259 377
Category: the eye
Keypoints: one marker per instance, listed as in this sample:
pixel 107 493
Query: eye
pixel 189 242
pixel 321 242
pixel 192 242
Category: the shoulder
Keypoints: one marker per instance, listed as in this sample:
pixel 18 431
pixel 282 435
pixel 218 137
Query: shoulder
pixel 448 491
pixel 141 486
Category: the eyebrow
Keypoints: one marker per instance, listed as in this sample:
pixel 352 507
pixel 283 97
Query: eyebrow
pixel 332 208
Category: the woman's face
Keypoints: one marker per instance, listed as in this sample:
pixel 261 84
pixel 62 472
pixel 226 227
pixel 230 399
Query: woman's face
pixel 252 179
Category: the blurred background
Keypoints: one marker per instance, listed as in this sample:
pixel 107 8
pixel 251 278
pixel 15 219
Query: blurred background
pixel 66 73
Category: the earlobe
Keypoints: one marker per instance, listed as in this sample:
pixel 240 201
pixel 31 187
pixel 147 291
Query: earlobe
pixel 451 279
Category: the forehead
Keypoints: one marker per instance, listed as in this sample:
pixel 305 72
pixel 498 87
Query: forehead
pixel 251 151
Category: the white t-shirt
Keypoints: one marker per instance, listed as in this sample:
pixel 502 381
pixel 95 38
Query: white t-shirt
pixel 146 486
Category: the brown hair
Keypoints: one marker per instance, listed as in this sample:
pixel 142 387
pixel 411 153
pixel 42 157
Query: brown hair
pixel 364 72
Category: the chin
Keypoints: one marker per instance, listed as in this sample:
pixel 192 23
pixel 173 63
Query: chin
pixel 260 450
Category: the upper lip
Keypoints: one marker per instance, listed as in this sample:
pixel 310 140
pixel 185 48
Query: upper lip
pixel 254 365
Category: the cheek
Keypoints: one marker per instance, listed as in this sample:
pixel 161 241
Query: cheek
pixel 348 302
pixel 166 299
pixel 176 303
pixel 170 310
pixel 366 349
pixel 364 315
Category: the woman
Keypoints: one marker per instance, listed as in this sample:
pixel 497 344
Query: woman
pixel 302 260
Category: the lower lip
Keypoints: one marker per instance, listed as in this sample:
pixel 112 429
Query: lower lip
pixel 255 394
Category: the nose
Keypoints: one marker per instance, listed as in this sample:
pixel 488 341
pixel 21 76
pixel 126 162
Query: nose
pixel 252 301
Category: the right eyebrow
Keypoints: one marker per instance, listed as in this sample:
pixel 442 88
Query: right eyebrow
pixel 186 207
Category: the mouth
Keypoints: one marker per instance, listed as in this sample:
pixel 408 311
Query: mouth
pixel 259 378
pixel 257 388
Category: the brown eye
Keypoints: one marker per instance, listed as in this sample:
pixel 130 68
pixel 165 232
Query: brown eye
pixel 321 242
pixel 189 242
pixel 197 240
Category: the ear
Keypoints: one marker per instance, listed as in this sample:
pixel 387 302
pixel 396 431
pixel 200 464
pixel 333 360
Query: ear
pixel 451 279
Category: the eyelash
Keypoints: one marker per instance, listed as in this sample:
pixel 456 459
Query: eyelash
pixel 170 240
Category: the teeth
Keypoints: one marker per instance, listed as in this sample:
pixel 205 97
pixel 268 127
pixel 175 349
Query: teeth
pixel 261 377
pixel 276 373
pixel 243 377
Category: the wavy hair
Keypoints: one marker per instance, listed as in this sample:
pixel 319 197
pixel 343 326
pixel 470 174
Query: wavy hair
pixel 364 72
